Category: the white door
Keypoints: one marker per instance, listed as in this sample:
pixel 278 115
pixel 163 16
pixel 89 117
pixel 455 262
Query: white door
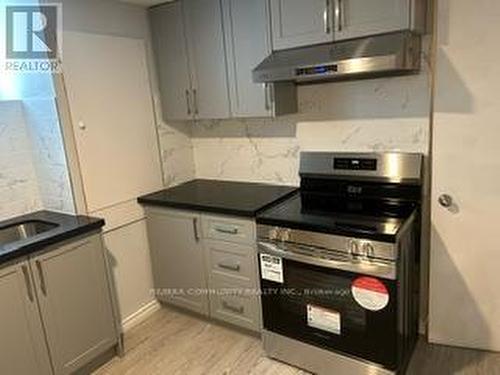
pixel 248 43
pixel 111 106
pixel 169 39
pixel 359 18
pixel 207 57
pixel 22 341
pixel 298 23
pixel 465 251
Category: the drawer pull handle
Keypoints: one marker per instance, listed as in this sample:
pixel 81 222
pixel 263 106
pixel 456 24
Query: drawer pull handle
pixel 230 267
pixel 237 310
pixel 233 231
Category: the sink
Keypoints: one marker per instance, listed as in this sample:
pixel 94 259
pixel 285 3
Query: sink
pixel 24 230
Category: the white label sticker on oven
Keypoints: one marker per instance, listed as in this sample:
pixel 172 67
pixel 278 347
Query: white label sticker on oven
pixel 370 293
pixel 324 319
pixel 271 268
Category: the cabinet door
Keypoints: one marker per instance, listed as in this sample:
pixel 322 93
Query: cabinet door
pixel 22 343
pixel 177 258
pixel 207 56
pixel 298 23
pixel 169 40
pixel 248 43
pixel 359 18
pixel 75 303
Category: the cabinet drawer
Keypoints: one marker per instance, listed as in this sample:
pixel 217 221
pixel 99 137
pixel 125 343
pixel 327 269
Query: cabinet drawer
pixel 241 309
pixel 228 229
pixel 233 260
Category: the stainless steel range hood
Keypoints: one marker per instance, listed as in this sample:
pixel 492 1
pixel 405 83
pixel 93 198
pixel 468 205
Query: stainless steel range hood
pixel 375 56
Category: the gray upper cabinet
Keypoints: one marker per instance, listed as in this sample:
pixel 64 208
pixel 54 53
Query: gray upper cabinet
pixel 358 18
pixel 298 23
pixel 177 258
pixel 75 305
pixel 205 37
pixel 172 61
pixel 248 42
pixel 188 40
pixel 23 349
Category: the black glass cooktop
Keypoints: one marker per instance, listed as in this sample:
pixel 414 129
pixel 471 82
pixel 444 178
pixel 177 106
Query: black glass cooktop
pixel 372 218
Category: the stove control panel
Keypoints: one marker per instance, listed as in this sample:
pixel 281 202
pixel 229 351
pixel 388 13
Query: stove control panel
pixel 354 247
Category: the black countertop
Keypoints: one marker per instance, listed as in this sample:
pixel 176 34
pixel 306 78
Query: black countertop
pixel 220 197
pixel 68 226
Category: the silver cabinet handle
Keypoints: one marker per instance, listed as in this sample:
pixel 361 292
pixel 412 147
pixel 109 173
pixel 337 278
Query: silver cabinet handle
pixel 195 102
pixel 338 15
pixel 445 200
pixel 238 310
pixel 195 229
pixel 230 267
pixel 188 102
pixel 327 17
pixel 43 286
pixel 233 231
pixel 266 97
pixel 27 279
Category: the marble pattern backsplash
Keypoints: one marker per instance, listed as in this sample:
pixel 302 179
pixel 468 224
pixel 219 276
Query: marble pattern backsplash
pixel 19 192
pixel 390 114
pixel 33 172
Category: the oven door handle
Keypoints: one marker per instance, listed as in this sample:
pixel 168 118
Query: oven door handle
pixel 378 269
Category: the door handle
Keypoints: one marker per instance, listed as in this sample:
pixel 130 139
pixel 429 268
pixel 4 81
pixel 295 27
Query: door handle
pixel 27 280
pixel 327 16
pixel 188 102
pixel 43 285
pixel 338 15
pixel 195 102
pixel 195 229
pixel 445 200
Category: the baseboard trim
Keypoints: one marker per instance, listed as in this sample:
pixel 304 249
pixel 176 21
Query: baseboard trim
pixel 140 315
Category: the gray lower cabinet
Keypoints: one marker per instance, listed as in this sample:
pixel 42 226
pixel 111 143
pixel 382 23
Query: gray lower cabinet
pixel 177 258
pixel 22 341
pixel 206 264
pixel 75 302
pixel 232 278
pixel 56 313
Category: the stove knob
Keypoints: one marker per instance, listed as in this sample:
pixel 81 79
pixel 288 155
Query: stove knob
pixel 352 247
pixel 273 234
pixel 368 250
pixel 285 235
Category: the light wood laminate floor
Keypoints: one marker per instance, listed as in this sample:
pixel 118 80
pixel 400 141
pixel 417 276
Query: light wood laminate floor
pixel 171 342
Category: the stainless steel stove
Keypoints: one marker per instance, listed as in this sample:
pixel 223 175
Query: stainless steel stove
pixel 339 265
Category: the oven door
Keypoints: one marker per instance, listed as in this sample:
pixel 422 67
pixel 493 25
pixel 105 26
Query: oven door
pixel 330 304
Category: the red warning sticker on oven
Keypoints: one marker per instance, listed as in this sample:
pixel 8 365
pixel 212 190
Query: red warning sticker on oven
pixel 370 293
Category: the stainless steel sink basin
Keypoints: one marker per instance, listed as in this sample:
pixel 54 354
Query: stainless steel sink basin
pixel 24 230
